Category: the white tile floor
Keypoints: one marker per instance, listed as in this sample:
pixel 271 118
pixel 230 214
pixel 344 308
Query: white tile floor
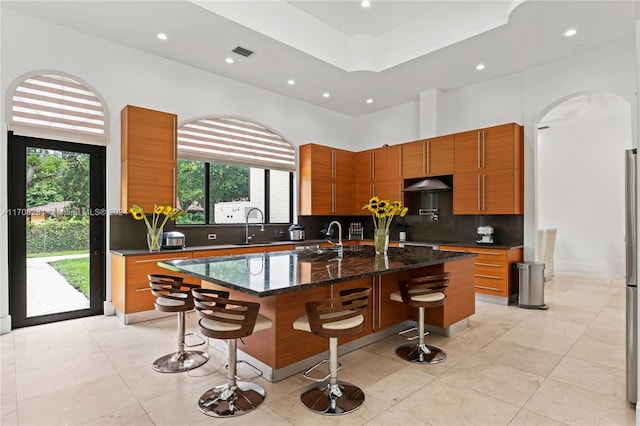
pixel 511 366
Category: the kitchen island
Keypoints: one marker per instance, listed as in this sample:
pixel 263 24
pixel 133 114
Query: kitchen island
pixel 283 281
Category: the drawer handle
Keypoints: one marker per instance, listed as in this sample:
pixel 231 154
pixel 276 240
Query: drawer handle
pixel 489 264
pixel 485 252
pixel 143 289
pixel 488 276
pixel 488 288
pixel 158 260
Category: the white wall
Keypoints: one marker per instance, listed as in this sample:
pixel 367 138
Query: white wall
pixel 581 189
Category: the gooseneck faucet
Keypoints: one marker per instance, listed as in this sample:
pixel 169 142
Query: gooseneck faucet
pixel 246 224
pixel 335 222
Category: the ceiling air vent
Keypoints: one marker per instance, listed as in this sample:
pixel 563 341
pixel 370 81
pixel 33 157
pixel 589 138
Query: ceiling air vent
pixel 242 51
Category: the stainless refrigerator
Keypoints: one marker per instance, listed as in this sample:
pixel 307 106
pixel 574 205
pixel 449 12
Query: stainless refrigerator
pixel 631 240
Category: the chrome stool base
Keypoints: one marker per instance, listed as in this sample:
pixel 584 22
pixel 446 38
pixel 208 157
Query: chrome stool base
pixel 179 362
pixel 419 355
pixel 231 401
pixel 333 400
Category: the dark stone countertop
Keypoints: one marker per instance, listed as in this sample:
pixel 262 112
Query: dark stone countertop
pixel 271 273
pixel 139 252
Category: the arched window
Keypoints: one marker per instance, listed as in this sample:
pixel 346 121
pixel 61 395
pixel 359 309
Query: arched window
pixel 57 107
pixel 227 166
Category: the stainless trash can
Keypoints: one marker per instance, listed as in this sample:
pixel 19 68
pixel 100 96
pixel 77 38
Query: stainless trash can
pixel 531 285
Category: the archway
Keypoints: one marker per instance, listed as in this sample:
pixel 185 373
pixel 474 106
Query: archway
pixel 581 140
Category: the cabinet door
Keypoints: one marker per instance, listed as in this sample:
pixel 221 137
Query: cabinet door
pixel 467 151
pixel 498 192
pixel 316 197
pixel 363 166
pixel 413 159
pixel 439 156
pixel 497 147
pixel 148 135
pixel 493 148
pixel 393 190
pixel 342 165
pixel 363 191
pixel 466 193
pixel 342 193
pixel 393 162
pixel 316 162
pixel 147 183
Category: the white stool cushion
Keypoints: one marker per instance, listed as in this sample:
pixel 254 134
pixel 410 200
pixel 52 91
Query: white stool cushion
pixel 262 323
pixel 432 297
pixel 163 301
pixel 302 323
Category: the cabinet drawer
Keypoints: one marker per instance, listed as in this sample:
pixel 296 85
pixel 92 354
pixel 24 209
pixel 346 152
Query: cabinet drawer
pixel 493 286
pixel 138 295
pixel 496 270
pixel 489 255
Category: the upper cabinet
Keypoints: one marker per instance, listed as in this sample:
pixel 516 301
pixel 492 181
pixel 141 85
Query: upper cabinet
pixel 378 172
pixel 326 180
pixel 148 158
pixel 493 148
pixel 428 157
pixel 489 171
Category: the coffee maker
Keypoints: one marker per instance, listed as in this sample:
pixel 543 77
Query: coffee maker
pixel 485 234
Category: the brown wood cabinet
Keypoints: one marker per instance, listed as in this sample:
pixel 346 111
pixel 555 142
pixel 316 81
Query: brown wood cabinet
pixel 428 157
pixel 326 180
pixel 493 269
pixel 489 171
pixel 148 158
pixel 378 172
pixel 130 291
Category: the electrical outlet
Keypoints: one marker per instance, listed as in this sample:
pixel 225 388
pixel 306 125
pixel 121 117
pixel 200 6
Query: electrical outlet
pixel 212 236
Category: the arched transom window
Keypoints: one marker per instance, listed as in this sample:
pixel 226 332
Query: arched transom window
pixel 57 107
pixel 228 166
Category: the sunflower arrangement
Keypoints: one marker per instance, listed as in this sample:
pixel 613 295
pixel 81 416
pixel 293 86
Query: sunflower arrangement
pixel 383 211
pixel 156 225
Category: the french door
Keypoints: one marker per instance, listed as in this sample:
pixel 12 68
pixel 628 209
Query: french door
pixel 57 226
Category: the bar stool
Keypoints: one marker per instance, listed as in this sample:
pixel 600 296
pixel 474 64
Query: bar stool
pixel 222 318
pixel 172 295
pixel 422 293
pixel 337 317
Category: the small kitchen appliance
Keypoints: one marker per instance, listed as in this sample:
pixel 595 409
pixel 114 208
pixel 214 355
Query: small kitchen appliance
pixel 296 232
pixel 485 234
pixel 173 240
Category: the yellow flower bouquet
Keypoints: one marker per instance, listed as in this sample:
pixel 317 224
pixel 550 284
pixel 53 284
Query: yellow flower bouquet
pixel 383 212
pixel 156 225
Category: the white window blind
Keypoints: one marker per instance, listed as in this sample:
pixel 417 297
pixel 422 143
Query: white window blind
pixel 54 105
pixel 235 141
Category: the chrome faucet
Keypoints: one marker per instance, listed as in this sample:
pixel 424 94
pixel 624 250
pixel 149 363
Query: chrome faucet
pixel 339 232
pixel 246 225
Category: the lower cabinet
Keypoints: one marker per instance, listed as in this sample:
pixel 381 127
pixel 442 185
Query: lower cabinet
pixel 493 270
pixel 130 291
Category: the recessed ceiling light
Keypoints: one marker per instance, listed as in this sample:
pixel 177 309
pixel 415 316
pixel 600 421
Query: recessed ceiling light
pixel 325 95
pixel 162 36
pixel 229 60
pixel 570 32
pixel 480 67
pixel 365 3
pixel 291 82
pixel 369 101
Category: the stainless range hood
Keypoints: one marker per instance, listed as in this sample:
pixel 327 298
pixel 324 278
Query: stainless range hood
pixel 428 184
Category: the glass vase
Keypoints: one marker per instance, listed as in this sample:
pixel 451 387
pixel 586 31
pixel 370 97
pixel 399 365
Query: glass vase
pixel 381 240
pixel 154 239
